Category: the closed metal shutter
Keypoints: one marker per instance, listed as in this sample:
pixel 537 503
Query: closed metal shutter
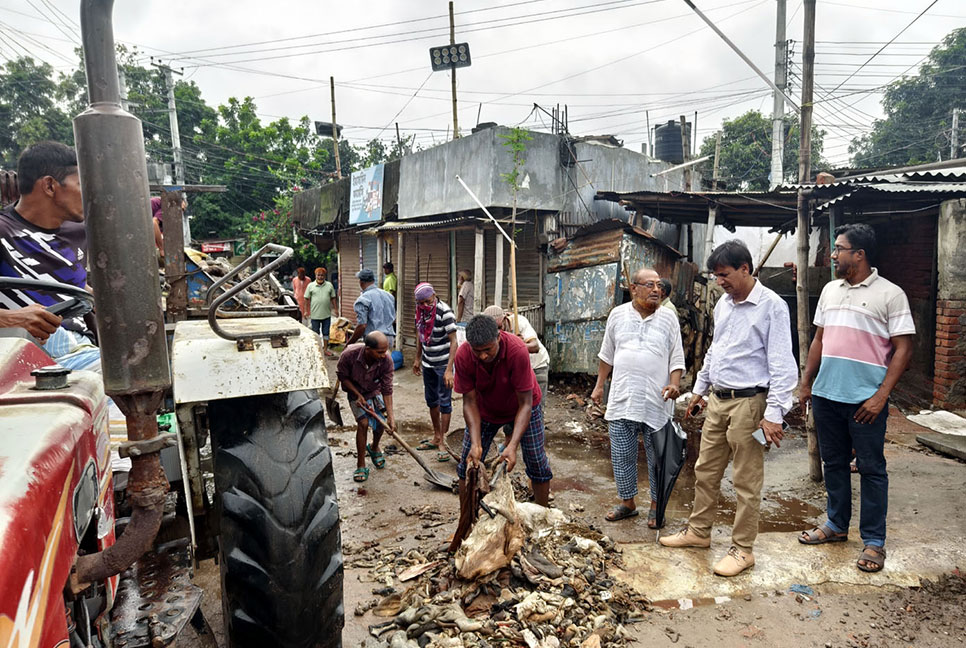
pixel 370 255
pixel 529 279
pixel 426 257
pixel 528 267
pixel 348 267
pixel 465 258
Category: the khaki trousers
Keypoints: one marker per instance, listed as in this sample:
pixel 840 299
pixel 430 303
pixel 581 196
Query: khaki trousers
pixel 727 430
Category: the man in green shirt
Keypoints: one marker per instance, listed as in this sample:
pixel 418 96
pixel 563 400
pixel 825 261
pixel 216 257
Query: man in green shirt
pixel 390 284
pixel 320 296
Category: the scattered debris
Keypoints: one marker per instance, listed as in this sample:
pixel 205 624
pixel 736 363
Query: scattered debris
pixel 525 577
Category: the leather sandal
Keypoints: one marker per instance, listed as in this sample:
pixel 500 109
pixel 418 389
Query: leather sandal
pixel 821 535
pixel 874 558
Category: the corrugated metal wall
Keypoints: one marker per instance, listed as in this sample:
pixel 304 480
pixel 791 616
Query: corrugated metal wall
pixel 528 272
pixel 370 255
pixel 348 267
pixel 426 257
pixel 465 254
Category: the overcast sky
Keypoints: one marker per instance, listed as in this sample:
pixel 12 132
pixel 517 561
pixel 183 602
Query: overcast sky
pixel 608 60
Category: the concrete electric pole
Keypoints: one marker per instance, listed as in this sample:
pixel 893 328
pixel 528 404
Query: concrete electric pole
pixel 452 41
pixel 173 121
pixel 804 218
pixel 778 107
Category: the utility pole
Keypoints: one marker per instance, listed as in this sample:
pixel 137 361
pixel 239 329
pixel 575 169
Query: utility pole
pixel 173 120
pixel 778 107
pixel 804 213
pixel 335 130
pixel 650 140
pixel 717 154
pixel 685 153
pixel 452 41
pixel 954 136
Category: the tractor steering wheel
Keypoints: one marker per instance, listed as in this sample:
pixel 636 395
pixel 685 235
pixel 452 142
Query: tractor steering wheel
pixel 78 304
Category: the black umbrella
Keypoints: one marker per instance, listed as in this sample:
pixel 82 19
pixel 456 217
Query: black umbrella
pixel 670 452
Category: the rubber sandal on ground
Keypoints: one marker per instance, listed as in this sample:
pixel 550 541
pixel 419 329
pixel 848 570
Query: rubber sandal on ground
pixel 874 558
pixel 442 457
pixel 360 474
pixel 378 459
pixel 426 444
pixel 620 512
pixel 821 535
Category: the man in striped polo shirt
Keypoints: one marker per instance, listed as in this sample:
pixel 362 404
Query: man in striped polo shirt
pixel 435 352
pixel 862 345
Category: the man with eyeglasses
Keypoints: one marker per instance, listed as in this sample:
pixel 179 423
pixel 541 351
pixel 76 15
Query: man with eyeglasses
pixel 862 345
pixel 750 372
pixel 642 347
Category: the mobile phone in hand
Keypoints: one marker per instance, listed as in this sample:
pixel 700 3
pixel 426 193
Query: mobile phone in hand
pixel 695 409
pixel 759 436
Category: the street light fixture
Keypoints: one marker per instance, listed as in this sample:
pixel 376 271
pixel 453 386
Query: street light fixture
pixel 448 57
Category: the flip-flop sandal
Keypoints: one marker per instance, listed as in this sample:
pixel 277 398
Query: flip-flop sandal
pixel 620 512
pixel 426 444
pixel 821 535
pixel 378 459
pixel 360 474
pixel 874 557
pixel 442 457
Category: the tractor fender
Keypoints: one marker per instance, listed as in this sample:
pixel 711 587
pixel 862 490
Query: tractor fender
pixel 207 367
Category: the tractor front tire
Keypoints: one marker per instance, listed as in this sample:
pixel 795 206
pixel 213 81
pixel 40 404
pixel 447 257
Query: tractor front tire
pixel 280 547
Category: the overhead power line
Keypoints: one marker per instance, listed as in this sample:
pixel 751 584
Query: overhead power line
pixel 879 51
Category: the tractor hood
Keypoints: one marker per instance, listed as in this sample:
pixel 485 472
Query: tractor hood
pixel 54 473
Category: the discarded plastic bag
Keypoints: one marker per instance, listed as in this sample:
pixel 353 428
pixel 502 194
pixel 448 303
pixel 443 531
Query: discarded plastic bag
pixel 493 542
pixel 538 519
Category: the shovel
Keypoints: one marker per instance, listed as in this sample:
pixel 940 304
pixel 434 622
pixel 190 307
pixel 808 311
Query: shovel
pixel 332 406
pixel 432 476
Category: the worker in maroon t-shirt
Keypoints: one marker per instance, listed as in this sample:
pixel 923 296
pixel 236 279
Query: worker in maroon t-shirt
pixel 494 375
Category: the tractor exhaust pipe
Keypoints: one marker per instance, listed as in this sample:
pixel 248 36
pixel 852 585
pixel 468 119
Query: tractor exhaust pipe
pixel 130 322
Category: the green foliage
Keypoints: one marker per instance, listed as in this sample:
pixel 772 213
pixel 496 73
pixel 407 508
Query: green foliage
pixel 918 111
pixel 516 140
pixel 745 161
pixel 261 164
pixel 276 226
pixel 33 108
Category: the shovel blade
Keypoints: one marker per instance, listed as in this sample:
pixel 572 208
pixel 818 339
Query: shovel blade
pixel 334 410
pixel 439 479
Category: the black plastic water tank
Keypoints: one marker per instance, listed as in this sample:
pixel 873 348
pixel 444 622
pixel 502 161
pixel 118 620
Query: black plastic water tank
pixel 667 141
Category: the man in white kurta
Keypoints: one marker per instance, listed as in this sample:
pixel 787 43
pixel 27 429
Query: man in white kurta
pixel 642 348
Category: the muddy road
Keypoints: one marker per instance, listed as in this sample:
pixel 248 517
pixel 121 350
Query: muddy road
pixel 397 507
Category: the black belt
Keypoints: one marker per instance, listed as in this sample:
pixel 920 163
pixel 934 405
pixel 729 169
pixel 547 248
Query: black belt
pixel 727 394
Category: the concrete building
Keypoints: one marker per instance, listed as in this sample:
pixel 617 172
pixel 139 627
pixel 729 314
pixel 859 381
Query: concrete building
pixel 430 226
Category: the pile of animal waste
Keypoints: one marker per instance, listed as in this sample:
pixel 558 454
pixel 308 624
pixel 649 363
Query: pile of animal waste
pixel 523 576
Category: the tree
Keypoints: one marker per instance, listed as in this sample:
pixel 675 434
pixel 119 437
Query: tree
pixel 745 161
pixel 918 111
pixel 516 142
pixel 32 108
pixel 256 162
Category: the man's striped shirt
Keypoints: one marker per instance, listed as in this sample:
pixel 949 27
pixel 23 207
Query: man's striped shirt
pixel 436 351
pixel 858 323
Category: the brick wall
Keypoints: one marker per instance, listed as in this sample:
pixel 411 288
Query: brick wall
pixel 949 386
pixel 907 257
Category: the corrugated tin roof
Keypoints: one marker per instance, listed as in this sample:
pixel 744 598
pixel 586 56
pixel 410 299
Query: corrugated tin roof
pixel 395 226
pixel 906 188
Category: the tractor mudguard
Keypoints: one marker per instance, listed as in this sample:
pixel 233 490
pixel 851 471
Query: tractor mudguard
pixel 207 367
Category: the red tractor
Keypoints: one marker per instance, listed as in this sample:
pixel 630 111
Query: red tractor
pixel 247 457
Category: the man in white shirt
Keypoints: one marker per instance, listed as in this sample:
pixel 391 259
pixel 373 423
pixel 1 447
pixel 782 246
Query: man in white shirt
pixel 751 372
pixel 642 346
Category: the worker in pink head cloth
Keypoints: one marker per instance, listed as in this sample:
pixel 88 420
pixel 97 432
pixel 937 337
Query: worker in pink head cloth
pixel 299 283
